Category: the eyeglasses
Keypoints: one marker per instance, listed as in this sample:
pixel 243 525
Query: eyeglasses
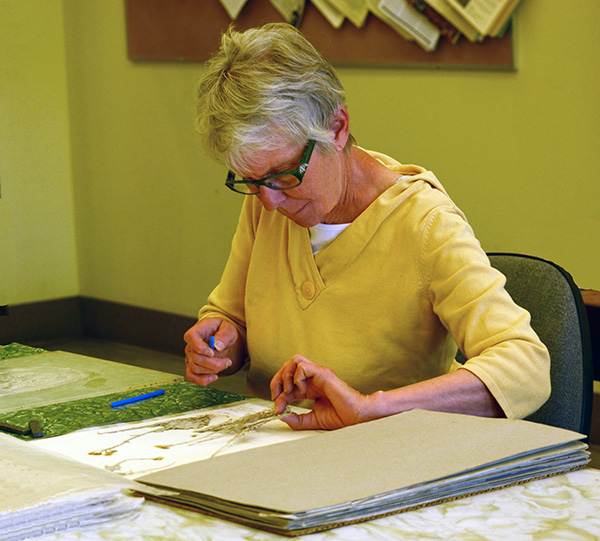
pixel 279 181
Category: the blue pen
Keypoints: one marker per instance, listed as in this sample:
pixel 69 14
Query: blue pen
pixel 211 342
pixel 136 398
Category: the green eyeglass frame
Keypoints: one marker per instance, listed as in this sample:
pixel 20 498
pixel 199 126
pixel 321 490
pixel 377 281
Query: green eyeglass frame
pixel 278 181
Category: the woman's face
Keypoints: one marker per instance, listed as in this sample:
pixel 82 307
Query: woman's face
pixel 311 202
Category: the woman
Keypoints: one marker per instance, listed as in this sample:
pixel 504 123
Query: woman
pixel 358 268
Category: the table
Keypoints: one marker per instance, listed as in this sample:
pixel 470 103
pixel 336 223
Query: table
pixel 566 506
pixel 562 507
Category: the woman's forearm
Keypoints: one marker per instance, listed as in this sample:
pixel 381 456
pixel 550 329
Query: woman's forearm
pixel 457 392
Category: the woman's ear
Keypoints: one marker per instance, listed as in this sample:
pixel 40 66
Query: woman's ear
pixel 340 126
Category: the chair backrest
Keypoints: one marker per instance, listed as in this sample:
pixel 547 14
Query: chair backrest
pixel 558 316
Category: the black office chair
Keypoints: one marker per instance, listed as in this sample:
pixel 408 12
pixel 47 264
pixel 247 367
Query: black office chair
pixel 559 318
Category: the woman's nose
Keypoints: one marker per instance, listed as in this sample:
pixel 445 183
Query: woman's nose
pixel 269 198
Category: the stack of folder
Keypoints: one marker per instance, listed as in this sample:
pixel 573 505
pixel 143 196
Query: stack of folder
pixel 362 472
pixel 43 492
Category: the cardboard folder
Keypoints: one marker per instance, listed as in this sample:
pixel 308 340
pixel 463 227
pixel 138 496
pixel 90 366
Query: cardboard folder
pixel 368 470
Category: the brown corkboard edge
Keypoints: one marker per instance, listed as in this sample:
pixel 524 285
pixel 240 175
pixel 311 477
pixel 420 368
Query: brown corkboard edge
pixel 189 31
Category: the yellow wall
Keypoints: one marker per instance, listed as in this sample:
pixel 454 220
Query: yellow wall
pixel 517 151
pixel 35 171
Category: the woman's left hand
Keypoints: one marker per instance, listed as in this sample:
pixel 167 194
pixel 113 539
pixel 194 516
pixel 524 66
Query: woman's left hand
pixel 336 404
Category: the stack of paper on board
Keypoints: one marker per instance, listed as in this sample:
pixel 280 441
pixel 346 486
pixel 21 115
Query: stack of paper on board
pixel 369 470
pixel 42 492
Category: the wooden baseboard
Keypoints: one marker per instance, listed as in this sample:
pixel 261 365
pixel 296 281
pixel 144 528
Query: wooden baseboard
pixel 152 329
pixel 41 321
pixel 77 317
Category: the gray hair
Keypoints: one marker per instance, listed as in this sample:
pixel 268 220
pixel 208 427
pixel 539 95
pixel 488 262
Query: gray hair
pixel 263 88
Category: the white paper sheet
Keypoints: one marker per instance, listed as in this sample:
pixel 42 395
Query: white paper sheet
pixel 292 11
pixel 333 15
pixel 233 7
pixel 408 22
pixel 136 448
pixel 356 11
pixel 43 492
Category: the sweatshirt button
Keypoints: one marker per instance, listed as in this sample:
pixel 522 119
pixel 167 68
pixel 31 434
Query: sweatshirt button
pixel 308 290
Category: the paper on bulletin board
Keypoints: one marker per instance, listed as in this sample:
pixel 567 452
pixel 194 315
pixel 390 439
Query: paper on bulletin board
pixel 233 7
pixel 333 15
pixel 292 11
pixel 356 11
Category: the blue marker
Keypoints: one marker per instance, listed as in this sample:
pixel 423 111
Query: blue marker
pixel 136 398
pixel 211 342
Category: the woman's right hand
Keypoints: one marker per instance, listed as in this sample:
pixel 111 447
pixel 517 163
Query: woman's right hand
pixel 204 364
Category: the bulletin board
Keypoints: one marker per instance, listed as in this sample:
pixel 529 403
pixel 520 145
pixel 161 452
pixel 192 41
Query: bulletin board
pixel 189 31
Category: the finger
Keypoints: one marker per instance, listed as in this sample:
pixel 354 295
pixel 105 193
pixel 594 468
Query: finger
pixel 305 370
pixel 199 375
pixel 288 375
pixel 196 336
pixel 300 377
pixel 306 421
pixel 193 336
pixel 202 363
pixel 201 379
pixel 202 351
pixel 278 384
pixel 285 399
pixel 205 365
pixel 224 337
pixel 281 402
pixel 199 347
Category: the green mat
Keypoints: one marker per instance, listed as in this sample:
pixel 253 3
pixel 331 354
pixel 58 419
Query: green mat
pixel 13 350
pixel 57 419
